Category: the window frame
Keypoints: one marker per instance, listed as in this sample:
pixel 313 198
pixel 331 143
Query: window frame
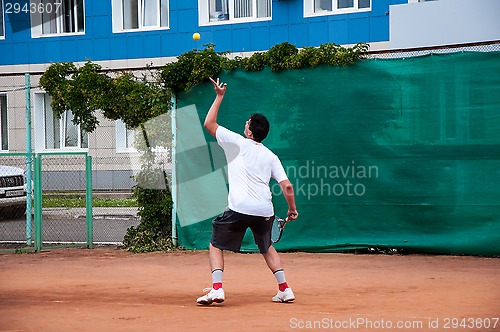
pixel 2 24
pixel 36 19
pixel 4 121
pixel 204 14
pixel 118 22
pixel 121 138
pixel 42 104
pixel 309 10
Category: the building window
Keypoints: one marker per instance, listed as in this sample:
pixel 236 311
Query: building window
pixel 2 27
pixel 233 11
pixel 4 132
pixel 125 137
pixel 130 15
pixel 61 133
pixel 332 7
pixel 58 17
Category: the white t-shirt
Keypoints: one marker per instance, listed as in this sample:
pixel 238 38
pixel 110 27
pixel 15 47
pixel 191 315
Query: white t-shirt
pixel 251 166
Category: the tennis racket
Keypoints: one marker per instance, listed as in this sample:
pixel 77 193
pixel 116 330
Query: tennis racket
pixel 277 229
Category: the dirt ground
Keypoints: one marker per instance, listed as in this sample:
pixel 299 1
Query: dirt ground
pixel 107 289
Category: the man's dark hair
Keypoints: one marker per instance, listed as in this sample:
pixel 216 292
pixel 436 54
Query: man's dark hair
pixel 259 126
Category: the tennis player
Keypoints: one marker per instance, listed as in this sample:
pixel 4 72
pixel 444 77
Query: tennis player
pixel 250 168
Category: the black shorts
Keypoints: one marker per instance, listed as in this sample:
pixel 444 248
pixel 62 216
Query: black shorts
pixel 229 229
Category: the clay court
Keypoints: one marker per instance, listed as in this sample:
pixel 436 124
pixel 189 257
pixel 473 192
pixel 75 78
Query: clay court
pixel 108 289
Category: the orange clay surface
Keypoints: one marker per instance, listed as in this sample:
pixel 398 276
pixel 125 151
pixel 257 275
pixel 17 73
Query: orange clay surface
pixel 108 289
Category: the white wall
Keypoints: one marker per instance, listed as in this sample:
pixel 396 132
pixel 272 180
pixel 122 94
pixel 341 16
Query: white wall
pixel 444 22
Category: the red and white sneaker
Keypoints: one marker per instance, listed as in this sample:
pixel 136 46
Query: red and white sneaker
pixel 215 295
pixel 285 296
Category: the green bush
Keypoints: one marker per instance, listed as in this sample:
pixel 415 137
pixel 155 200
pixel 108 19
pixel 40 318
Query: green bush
pixel 155 210
pixel 196 66
pixel 155 230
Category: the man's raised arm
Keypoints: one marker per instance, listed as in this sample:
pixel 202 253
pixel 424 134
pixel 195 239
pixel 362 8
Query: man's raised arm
pixel 211 119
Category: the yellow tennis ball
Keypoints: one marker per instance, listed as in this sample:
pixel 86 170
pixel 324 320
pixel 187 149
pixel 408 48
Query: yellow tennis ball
pixel 196 36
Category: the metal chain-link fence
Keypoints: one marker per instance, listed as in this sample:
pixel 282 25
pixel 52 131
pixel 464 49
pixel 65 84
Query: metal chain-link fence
pixel 410 53
pixel 13 192
pixel 63 187
pixel 16 227
pixel 63 174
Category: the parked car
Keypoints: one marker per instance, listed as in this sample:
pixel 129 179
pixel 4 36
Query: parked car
pixel 12 192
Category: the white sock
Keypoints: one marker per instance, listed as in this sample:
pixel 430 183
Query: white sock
pixel 280 276
pixel 217 276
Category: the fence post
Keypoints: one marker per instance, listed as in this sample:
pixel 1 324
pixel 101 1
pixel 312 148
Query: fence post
pixel 38 203
pixel 88 201
pixel 173 180
pixel 29 169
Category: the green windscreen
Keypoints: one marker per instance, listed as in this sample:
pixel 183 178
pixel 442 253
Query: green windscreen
pixel 401 153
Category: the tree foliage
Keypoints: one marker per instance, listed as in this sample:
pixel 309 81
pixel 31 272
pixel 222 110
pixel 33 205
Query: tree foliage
pixel 87 89
pixel 196 66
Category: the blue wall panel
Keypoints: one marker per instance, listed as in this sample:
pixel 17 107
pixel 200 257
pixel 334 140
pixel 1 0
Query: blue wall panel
pixel 339 31
pixel 100 43
pixel 318 33
pixel 398 2
pixel 102 49
pixel 98 8
pixel 295 12
pixel 52 50
pixel 118 44
pixel 241 39
pixel 6 56
pixel 37 54
pixel 17 25
pixel 278 34
pixel 152 45
pixel 184 4
pixel 135 46
pixel 221 38
pixel 85 50
pixel 89 28
pixel 380 7
pixel 378 28
pixel 359 29
pixel 280 13
pixel 259 38
pixel 298 35
pixel 187 20
pixel 20 52
pixel 68 49
pixel 101 27
pixel 178 42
